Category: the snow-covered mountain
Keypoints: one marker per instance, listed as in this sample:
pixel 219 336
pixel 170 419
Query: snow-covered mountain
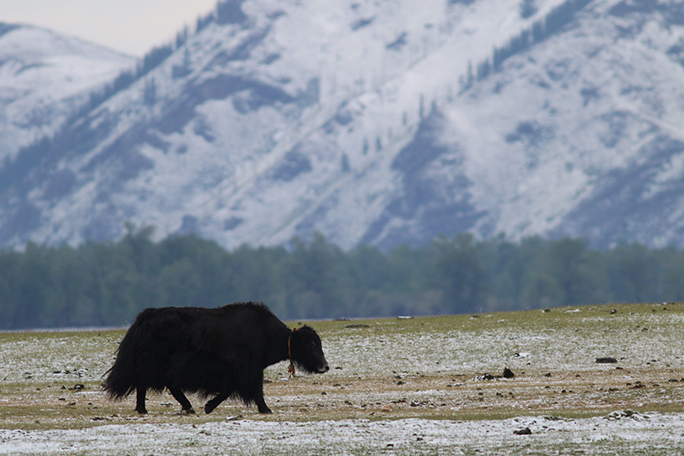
pixel 44 76
pixel 380 122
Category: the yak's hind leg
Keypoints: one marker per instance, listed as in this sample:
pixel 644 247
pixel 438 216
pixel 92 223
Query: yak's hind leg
pixel 140 400
pixel 213 403
pixel 186 406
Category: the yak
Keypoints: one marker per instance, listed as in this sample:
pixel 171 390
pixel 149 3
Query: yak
pixel 220 352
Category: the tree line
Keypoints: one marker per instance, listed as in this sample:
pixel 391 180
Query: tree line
pixel 108 283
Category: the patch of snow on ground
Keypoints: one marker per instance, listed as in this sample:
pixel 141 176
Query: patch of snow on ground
pixel 623 432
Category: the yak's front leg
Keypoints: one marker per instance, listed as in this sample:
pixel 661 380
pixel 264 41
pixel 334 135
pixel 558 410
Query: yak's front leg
pixel 259 399
pixel 140 400
pixel 186 406
pixel 259 395
pixel 261 404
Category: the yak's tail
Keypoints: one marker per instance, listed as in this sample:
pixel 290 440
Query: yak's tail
pixel 129 370
pixel 121 377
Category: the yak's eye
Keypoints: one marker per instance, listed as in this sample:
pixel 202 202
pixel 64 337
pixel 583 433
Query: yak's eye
pixel 312 343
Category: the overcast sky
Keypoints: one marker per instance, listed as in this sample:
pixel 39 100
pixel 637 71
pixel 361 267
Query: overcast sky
pixel 129 26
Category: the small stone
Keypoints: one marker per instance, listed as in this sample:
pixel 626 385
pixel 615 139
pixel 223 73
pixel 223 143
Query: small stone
pixel 525 431
pixel 507 373
pixel 607 360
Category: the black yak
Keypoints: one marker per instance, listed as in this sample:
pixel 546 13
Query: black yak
pixel 218 352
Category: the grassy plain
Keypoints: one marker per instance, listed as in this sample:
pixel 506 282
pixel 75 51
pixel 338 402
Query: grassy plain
pixel 436 368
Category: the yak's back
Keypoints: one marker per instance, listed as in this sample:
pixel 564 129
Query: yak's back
pixel 229 330
pixel 167 326
pixel 220 331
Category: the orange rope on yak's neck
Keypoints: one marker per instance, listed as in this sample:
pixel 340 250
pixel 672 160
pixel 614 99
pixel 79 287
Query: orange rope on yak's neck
pixel 290 369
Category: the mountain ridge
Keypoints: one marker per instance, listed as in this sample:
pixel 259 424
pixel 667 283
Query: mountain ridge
pixel 384 129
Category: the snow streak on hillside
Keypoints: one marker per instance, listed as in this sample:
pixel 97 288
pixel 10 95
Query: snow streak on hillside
pixel 372 122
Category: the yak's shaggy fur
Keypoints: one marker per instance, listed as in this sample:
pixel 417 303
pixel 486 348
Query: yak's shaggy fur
pixel 218 352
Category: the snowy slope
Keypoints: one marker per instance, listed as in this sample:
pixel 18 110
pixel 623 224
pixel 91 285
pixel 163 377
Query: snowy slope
pixel 587 130
pixel 44 76
pixel 279 119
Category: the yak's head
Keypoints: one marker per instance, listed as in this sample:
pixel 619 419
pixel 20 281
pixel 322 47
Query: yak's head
pixel 307 352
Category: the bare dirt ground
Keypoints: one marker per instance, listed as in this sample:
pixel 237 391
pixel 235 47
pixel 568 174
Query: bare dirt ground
pixel 397 386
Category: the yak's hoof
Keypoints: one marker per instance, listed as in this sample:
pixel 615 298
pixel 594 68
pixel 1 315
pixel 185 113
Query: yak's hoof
pixel 265 410
pixel 141 412
pixel 190 411
pixel 209 407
